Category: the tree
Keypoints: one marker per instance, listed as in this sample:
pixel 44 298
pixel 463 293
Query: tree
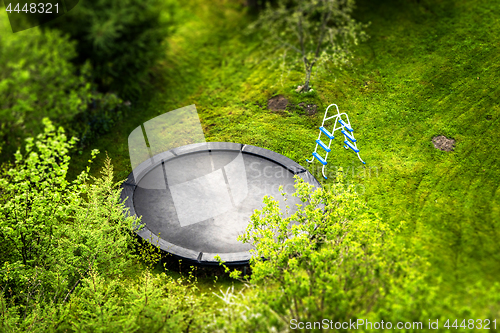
pixel 121 38
pixel 38 79
pixel 318 31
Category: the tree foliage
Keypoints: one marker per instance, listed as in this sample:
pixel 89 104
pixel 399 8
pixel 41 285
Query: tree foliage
pixel 316 31
pixel 51 236
pixel 121 38
pixel 38 79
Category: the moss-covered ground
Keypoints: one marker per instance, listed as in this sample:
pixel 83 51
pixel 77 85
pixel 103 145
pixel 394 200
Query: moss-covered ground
pixel 430 68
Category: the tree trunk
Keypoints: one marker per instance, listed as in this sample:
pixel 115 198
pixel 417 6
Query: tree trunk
pixel 308 78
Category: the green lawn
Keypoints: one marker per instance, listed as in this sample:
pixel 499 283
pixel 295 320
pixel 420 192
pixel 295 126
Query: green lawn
pixel 430 68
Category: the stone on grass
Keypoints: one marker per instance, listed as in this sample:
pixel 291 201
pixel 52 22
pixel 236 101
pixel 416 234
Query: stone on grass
pixel 443 143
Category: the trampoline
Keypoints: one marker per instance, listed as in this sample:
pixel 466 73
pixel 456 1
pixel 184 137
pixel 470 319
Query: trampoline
pixel 196 199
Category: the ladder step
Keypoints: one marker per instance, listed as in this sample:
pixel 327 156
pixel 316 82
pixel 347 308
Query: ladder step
pixel 351 146
pixel 319 158
pixel 349 136
pixel 328 134
pixel 322 145
pixel 345 125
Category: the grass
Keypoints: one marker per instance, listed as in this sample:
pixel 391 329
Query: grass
pixel 428 69
pixel 433 76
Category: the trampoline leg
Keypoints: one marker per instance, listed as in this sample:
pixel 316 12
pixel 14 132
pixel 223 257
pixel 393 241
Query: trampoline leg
pixel 360 159
pixel 323 171
pixel 310 160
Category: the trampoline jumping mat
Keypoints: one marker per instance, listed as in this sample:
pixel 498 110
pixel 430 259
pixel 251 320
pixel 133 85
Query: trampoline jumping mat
pixel 195 200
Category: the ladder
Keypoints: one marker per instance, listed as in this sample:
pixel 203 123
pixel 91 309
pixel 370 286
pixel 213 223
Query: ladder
pixel 339 124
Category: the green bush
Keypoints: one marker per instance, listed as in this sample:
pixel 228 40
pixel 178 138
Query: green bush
pixel 66 253
pixel 54 235
pixel 121 38
pixel 102 113
pixel 334 260
pixel 38 79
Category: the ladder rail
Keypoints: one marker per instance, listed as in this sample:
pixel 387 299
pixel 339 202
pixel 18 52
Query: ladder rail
pixel 315 150
pixel 326 113
pixel 352 143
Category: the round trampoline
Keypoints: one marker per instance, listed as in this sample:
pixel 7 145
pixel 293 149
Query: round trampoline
pixel 196 199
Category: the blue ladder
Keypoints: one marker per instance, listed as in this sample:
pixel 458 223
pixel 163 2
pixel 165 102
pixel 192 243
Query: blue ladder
pixel 319 158
pixel 347 135
pixel 328 134
pixel 322 145
pixel 345 128
pixel 356 150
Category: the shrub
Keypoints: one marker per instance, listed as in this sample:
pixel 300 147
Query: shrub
pixel 66 250
pixel 333 260
pixel 121 38
pixel 55 236
pixel 329 260
pixel 37 80
pixel 102 113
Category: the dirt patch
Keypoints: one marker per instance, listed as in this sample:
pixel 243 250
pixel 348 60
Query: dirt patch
pixel 310 109
pixel 277 103
pixel 443 143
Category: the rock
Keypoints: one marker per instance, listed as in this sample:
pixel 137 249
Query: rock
pixel 277 103
pixel 443 143
pixel 299 88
